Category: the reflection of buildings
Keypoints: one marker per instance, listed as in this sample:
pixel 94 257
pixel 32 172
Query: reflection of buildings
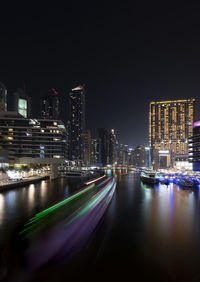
pixel 30 140
pixel 50 105
pixel 3 97
pixel 170 126
pixel 194 146
pixel 77 124
pixel 22 103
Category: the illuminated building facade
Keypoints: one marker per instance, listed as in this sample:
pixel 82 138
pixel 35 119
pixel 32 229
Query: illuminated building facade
pixel 22 103
pixel 3 97
pixel 170 126
pixel 112 148
pixel 50 105
pixel 26 139
pixel 77 124
pixel 87 147
pixel 194 146
pixel 95 151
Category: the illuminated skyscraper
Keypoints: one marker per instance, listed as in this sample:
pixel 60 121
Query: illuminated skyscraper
pixel 77 124
pixel 95 151
pixel 87 147
pixel 50 105
pixel 112 147
pixel 170 126
pixel 3 97
pixel 194 146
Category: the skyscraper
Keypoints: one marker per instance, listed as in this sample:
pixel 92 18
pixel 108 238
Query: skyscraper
pixel 95 158
pixel 50 105
pixel 22 103
pixel 170 126
pixel 112 147
pixel 139 156
pixel 77 123
pixel 87 147
pixel 3 97
pixel 103 136
pixel 194 146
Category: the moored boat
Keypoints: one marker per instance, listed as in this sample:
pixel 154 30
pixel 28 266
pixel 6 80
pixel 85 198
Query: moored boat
pixel 149 177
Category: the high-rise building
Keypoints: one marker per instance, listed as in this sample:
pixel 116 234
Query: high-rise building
pixel 3 97
pixel 50 105
pixel 32 140
pixel 87 147
pixel 77 123
pixel 112 147
pixel 103 136
pixel 194 146
pixel 122 155
pixel 139 156
pixel 170 126
pixel 95 151
pixel 22 103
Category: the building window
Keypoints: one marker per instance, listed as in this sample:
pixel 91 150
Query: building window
pixel 22 107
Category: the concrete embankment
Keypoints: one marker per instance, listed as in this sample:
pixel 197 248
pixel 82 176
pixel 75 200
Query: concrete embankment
pixel 22 183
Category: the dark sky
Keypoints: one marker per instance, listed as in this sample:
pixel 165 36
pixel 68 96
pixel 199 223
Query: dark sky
pixel 127 54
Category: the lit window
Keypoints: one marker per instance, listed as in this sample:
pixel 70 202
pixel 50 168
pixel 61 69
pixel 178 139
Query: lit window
pixel 22 107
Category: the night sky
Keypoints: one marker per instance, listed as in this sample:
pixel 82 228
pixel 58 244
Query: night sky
pixel 126 54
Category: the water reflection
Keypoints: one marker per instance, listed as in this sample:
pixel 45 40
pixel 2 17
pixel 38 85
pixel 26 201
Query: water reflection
pixel 31 195
pixel 43 191
pixel 169 214
pixel 2 207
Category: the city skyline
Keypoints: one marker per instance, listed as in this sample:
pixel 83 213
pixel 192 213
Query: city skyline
pixel 126 54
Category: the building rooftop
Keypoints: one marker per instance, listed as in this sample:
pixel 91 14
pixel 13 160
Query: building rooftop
pixel 10 114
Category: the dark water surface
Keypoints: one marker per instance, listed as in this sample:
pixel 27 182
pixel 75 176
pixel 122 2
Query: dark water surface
pixel 147 234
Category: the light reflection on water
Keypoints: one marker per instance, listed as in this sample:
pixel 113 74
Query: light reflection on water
pixel 169 214
pixel 18 204
pixel 31 196
pixel 2 207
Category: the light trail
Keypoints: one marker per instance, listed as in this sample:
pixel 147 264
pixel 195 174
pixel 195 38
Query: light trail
pixel 87 183
pixel 67 236
pixel 44 213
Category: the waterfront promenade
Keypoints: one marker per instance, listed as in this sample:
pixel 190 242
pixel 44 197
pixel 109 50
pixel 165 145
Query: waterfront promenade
pixel 9 184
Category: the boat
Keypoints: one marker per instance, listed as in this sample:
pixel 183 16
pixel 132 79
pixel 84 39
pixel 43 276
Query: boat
pixel 76 173
pixel 184 182
pixel 165 181
pixel 149 177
